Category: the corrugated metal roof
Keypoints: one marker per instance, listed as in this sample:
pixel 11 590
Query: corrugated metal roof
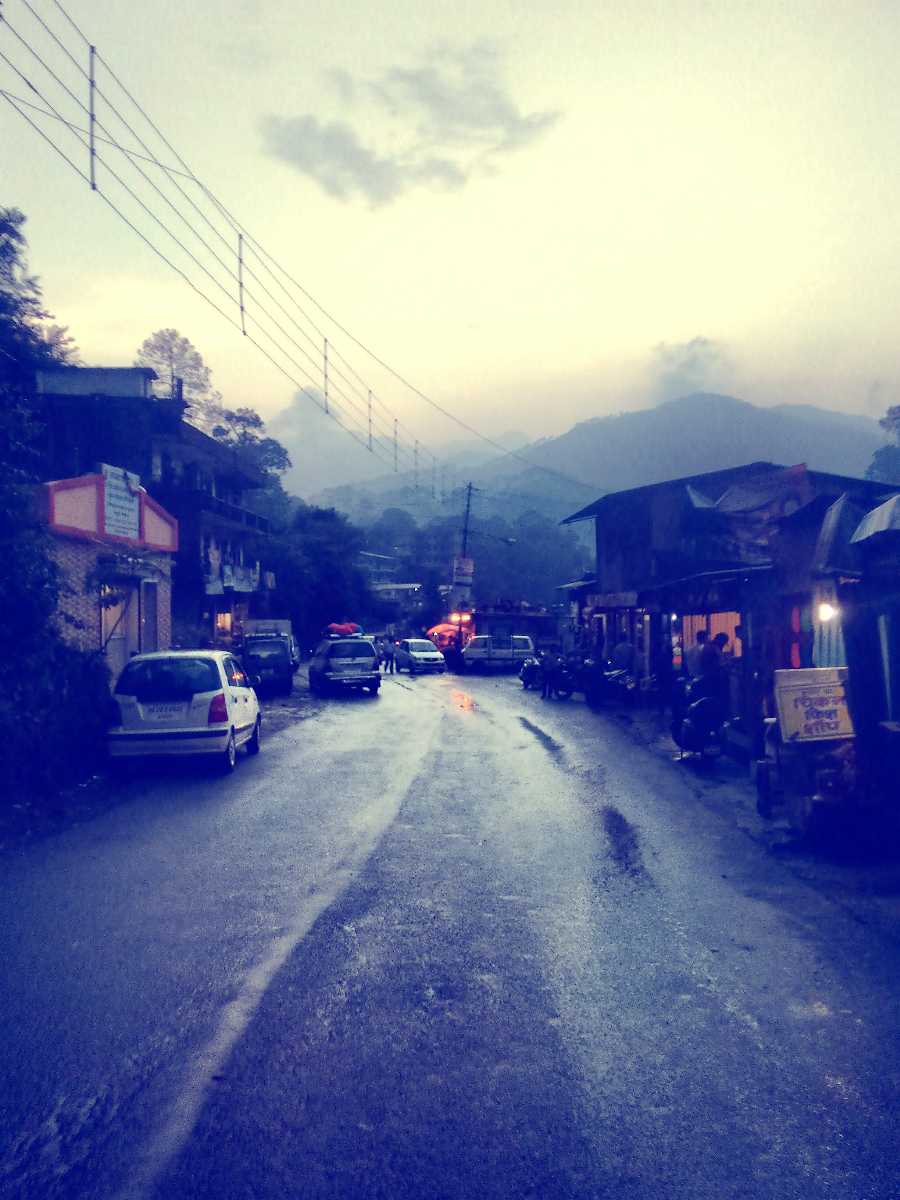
pixel 883 519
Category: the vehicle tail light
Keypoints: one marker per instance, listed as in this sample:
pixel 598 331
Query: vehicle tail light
pixel 218 710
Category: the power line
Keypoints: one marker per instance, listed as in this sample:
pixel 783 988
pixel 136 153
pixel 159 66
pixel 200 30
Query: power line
pixel 267 261
pixel 370 444
pixel 54 113
pixel 301 387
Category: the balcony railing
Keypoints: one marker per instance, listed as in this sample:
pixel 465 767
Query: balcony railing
pixel 180 499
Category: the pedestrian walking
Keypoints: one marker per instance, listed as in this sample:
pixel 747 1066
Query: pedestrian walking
pixel 389 661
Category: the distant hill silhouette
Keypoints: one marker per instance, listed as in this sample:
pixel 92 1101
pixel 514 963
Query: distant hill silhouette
pixel 696 433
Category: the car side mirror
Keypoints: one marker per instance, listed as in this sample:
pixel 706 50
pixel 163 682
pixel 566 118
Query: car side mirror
pixel 255 680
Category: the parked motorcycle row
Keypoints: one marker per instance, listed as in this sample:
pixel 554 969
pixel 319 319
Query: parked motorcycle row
pixel 699 715
pixel 598 680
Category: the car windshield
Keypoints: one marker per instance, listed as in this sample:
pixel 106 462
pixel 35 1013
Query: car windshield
pixel 421 647
pixel 168 678
pixel 352 650
pixel 521 643
pixel 274 648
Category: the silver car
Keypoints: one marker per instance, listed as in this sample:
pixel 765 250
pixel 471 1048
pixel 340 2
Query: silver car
pixel 419 656
pixel 342 664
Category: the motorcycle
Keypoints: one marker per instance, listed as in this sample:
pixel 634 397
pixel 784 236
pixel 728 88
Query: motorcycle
pixel 563 680
pixel 698 718
pixel 531 673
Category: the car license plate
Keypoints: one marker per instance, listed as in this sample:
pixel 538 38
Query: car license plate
pixel 164 712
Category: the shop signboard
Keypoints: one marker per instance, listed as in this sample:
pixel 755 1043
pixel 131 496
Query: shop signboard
pixel 463 571
pixel 121 503
pixel 812 704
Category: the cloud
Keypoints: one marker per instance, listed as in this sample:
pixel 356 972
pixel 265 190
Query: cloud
pixel 681 368
pixel 333 154
pixel 446 120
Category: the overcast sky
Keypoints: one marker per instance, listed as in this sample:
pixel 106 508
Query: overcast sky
pixel 538 212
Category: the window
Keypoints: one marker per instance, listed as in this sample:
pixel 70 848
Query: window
pixel 352 650
pixel 234 674
pixel 161 679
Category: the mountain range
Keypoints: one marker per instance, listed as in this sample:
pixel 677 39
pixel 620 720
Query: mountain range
pixel 687 436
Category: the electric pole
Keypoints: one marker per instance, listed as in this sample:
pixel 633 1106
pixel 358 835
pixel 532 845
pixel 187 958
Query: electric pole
pixel 465 540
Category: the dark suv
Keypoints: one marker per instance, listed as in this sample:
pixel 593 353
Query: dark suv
pixel 341 663
pixel 270 659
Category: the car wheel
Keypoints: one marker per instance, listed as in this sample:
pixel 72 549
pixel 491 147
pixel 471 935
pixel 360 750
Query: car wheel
pixel 229 755
pixel 253 743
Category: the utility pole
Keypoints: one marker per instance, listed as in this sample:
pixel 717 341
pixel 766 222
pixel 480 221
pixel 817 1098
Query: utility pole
pixel 92 87
pixel 465 540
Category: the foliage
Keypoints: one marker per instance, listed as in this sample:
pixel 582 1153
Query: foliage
pixel 244 428
pixel 173 357
pixel 53 697
pixel 316 570
pixel 885 465
pixel 522 559
pixel 26 340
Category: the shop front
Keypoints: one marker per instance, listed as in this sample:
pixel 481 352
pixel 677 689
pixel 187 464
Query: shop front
pixel 113 545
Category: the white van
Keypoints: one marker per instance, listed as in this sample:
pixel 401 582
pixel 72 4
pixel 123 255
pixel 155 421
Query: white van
pixel 485 653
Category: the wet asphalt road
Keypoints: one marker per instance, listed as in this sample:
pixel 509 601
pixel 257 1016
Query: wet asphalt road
pixel 455 942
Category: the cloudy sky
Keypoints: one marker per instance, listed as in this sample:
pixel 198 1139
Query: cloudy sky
pixel 536 212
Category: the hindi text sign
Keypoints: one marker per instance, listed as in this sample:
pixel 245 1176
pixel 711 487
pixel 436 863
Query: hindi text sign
pixel 812 704
pixel 121 503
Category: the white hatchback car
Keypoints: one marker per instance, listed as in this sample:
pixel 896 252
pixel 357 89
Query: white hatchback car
pixel 418 655
pixel 185 702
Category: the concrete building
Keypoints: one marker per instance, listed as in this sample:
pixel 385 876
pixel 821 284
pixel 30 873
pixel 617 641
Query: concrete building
pixel 96 415
pixel 114 546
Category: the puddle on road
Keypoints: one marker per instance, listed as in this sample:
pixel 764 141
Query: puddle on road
pixel 550 744
pixel 624 845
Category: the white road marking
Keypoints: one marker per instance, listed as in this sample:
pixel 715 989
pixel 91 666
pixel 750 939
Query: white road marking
pixel 164 1146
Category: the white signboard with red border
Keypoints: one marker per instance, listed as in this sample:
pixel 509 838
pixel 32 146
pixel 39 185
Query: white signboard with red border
pixel 110 508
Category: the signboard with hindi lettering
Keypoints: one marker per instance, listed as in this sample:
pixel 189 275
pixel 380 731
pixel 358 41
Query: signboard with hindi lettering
pixel 121 502
pixel 812 704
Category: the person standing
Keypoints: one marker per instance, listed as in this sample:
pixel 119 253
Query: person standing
pixel 548 673
pixel 694 653
pixel 389 661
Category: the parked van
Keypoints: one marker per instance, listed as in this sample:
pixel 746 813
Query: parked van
pixel 486 653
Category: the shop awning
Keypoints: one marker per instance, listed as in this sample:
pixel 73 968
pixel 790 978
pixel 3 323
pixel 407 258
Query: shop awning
pixel 883 519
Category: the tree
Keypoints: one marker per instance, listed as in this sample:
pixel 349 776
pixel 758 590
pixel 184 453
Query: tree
pixel 317 573
pixel 27 342
pixel 52 697
pixel 885 465
pixel 173 357
pixel 244 428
